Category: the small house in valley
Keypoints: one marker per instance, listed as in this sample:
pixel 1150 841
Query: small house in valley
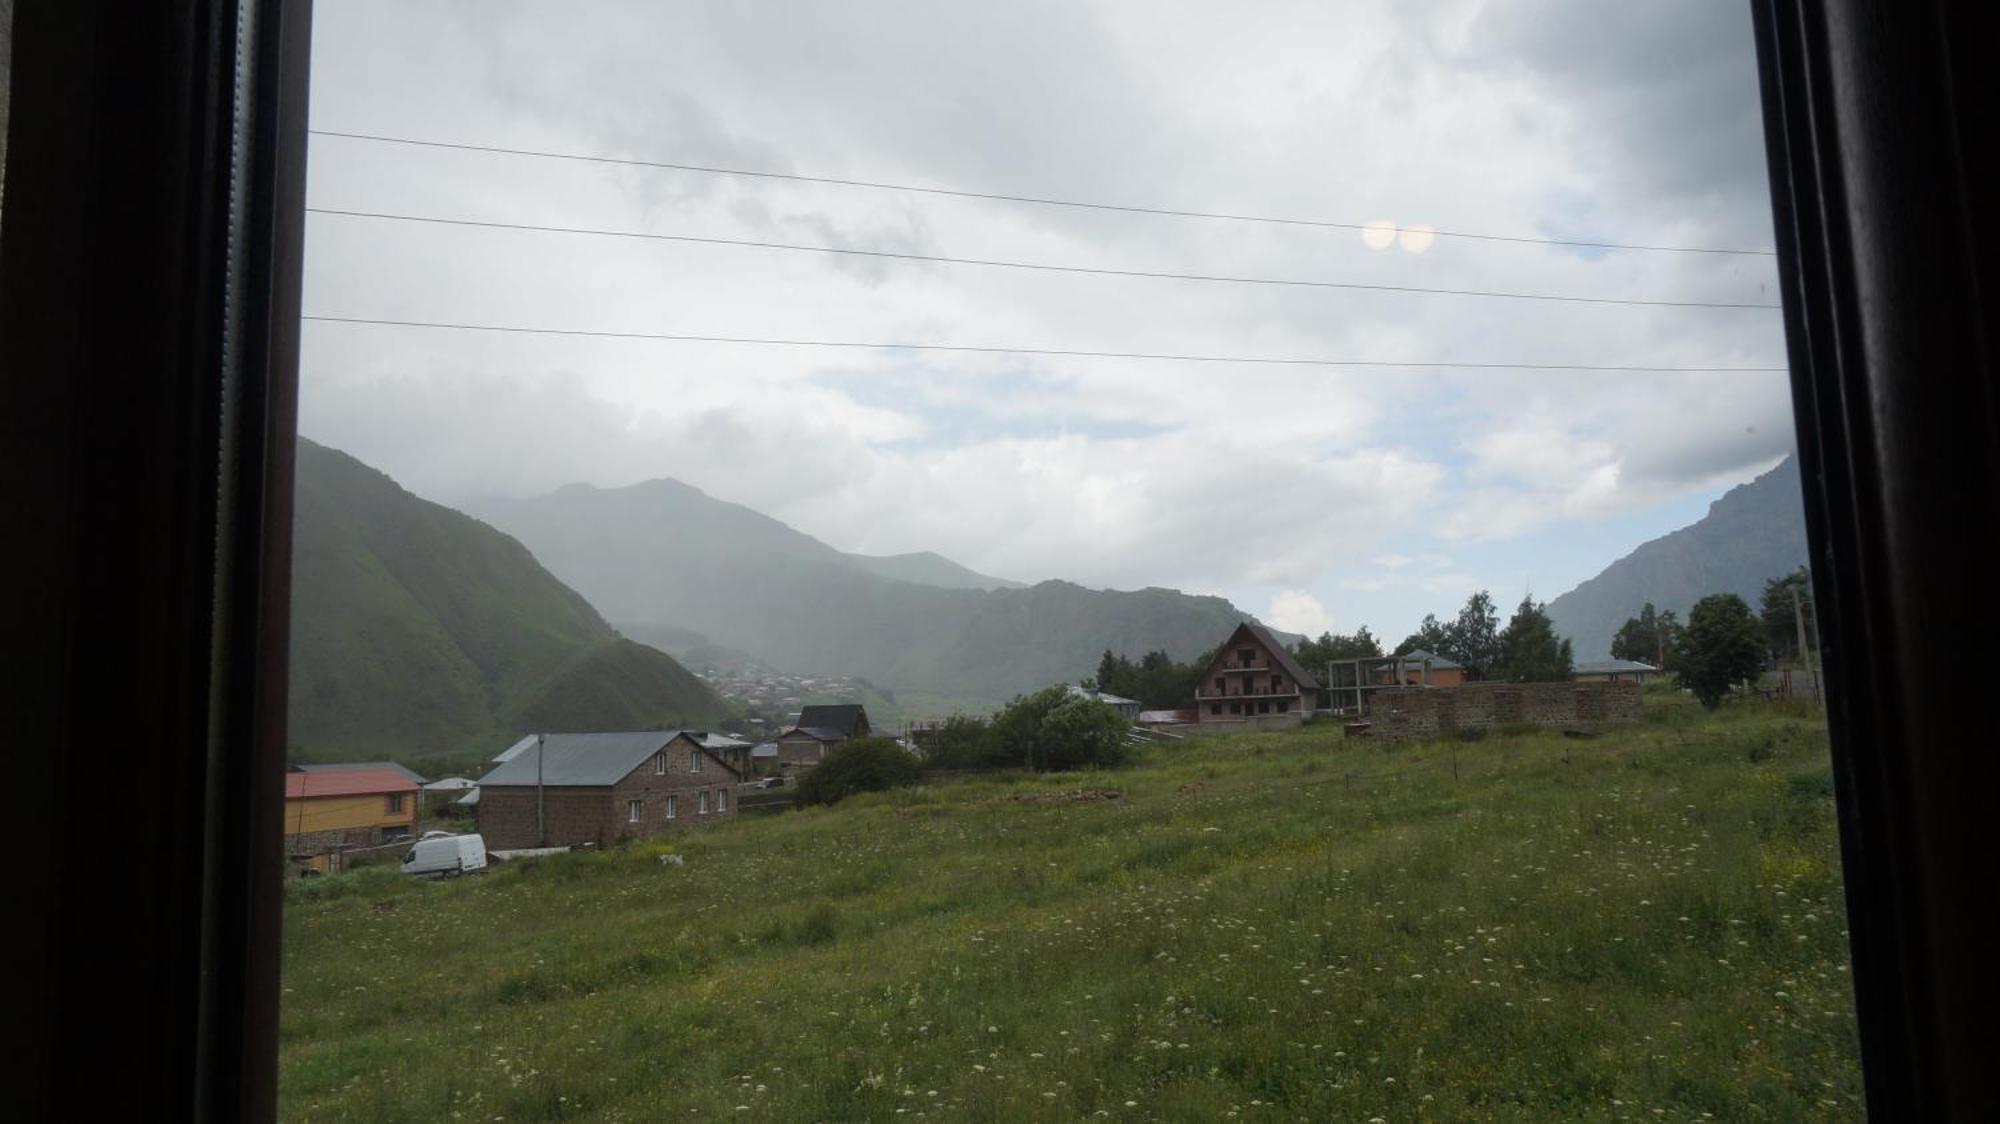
pixel 1418 668
pixel 1613 671
pixel 331 810
pixel 819 730
pixel 569 790
pixel 1254 680
pixel 1127 709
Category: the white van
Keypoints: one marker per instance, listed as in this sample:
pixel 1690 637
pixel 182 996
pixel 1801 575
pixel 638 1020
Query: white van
pixel 440 854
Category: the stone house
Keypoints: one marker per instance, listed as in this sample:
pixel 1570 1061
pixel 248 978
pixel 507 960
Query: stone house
pixel 333 809
pixel 599 789
pixel 1254 681
pixel 819 730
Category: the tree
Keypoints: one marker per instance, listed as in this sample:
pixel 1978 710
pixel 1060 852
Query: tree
pixel 961 742
pixel 1054 729
pixel 1781 626
pixel 860 765
pixel 1474 638
pixel 1314 655
pixel 1431 636
pixel 1649 637
pixel 1530 652
pixel 1723 646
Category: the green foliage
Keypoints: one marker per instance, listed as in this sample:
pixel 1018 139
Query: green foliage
pixel 1723 647
pixel 1651 637
pixel 1649 918
pixel 963 742
pixel 859 765
pixel 1431 636
pixel 1530 652
pixel 1314 655
pixel 1472 639
pixel 1781 630
pixel 1053 729
pixel 1156 682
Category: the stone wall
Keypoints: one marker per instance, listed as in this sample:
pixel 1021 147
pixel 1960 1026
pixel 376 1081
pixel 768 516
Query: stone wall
pixel 1417 713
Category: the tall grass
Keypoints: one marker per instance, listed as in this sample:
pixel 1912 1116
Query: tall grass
pixel 1286 926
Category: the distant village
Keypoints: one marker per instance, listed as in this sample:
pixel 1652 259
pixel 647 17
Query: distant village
pixel 567 790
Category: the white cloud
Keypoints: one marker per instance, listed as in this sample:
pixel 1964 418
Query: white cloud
pixel 1295 610
pixel 1255 480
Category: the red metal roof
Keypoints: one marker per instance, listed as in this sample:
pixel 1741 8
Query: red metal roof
pixel 355 782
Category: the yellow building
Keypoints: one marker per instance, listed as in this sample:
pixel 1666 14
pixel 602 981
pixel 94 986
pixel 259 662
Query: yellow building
pixel 331 810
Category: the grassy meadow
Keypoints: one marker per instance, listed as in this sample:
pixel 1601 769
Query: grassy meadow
pixel 1287 926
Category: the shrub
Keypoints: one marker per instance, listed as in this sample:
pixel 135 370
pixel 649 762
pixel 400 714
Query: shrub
pixel 962 742
pixel 1053 730
pixel 861 765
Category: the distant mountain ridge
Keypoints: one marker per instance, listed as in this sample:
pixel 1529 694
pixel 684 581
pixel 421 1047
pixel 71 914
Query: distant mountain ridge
pixel 417 631
pixel 1753 533
pixel 662 557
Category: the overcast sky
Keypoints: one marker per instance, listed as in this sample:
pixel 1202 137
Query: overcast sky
pixel 1314 497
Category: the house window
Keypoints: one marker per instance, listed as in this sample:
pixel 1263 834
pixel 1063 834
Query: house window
pixel 722 800
pixel 660 763
pixel 702 806
pixel 394 834
pixel 694 761
pixel 1284 705
pixel 393 804
pixel 1263 708
pixel 1215 708
pixel 1219 683
pixel 1235 708
pixel 1246 656
pixel 1277 683
pixel 673 806
pixel 633 810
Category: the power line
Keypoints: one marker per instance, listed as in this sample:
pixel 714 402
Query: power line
pixel 1048 351
pixel 1041 266
pixel 1038 200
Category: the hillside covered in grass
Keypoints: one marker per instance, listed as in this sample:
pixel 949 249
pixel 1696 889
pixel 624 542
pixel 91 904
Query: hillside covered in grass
pixel 1640 926
pixel 419 631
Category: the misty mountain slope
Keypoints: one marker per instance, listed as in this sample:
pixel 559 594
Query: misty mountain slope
pixel 1753 533
pixel 925 567
pixel 416 629
pixel 662 557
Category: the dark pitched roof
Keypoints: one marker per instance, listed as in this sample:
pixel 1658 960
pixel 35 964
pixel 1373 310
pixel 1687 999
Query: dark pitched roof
pixel 346 782
pixel 1305 679
pixel 585 759
pixel 817 733
pixel 843 717
pixel 360 766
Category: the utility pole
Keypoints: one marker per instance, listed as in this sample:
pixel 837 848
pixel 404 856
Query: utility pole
pixel 541 826
pixel 1799 620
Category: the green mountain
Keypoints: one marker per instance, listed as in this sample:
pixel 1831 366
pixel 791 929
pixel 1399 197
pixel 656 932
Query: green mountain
pixel 419 631
pixel 1755 532
pixel 662 558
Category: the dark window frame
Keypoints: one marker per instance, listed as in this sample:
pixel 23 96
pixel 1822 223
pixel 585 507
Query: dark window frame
pixel 149 273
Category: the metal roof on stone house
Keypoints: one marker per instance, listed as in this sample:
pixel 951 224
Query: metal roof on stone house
pixel 1305 679
pixel 360 766
pixel 583 760
pixel 845 719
